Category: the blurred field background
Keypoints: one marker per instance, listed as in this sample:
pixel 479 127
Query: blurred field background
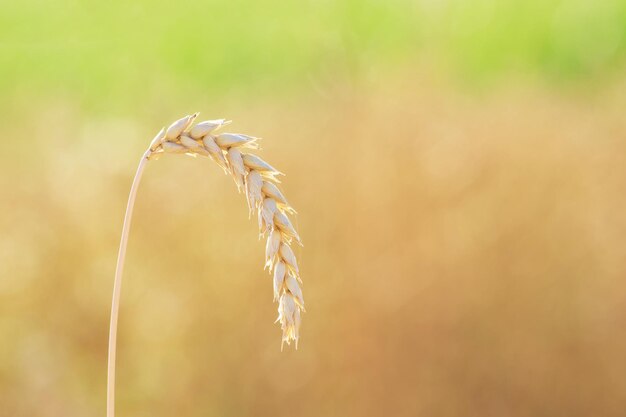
pixel 460 173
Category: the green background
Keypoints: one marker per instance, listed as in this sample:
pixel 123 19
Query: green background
pixel 102 51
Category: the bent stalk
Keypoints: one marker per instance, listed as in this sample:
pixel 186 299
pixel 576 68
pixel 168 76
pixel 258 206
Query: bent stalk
pixel 117 285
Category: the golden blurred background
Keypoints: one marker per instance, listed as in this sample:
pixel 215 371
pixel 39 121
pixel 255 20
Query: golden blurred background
pixel 459 170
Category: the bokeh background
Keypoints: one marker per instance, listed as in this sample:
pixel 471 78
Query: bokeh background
pixel 459 169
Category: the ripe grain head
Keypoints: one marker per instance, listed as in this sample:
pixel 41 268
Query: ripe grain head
pixel 258 180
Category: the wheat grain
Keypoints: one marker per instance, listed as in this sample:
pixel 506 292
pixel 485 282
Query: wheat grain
pixel 257 178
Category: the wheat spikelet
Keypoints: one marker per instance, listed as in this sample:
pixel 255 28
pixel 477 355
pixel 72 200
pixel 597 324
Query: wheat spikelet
pixel 257 179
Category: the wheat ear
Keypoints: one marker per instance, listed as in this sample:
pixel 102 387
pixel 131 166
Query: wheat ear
pixel 258 180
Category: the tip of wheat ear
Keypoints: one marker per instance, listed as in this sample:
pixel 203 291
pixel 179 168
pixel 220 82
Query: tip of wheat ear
pixel 258 180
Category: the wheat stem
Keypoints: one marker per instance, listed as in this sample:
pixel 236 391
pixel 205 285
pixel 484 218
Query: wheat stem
pixel 117 285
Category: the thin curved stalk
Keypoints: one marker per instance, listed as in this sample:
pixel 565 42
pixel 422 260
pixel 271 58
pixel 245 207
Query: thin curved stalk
pixel 117 286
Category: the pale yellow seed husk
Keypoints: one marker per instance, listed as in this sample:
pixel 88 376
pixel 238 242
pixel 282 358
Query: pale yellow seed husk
pixel 172 147
pixel 272 191
pixel 204 128
pixel 289 317
pixel 289 257
pixel 237 168
pixel 292 285
pixel 179 126
pixel 215 151
pixel 254 182
pixel 283 223
pixel 228 140
pixel 266 215
pixel 271 248
pixel 254 162
pixel 279 278
pixel 157 139
pixel 192 145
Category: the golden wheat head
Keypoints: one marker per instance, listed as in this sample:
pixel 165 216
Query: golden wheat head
pixel 258 180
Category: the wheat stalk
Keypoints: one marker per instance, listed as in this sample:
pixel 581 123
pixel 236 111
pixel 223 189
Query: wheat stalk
pixel 258 180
